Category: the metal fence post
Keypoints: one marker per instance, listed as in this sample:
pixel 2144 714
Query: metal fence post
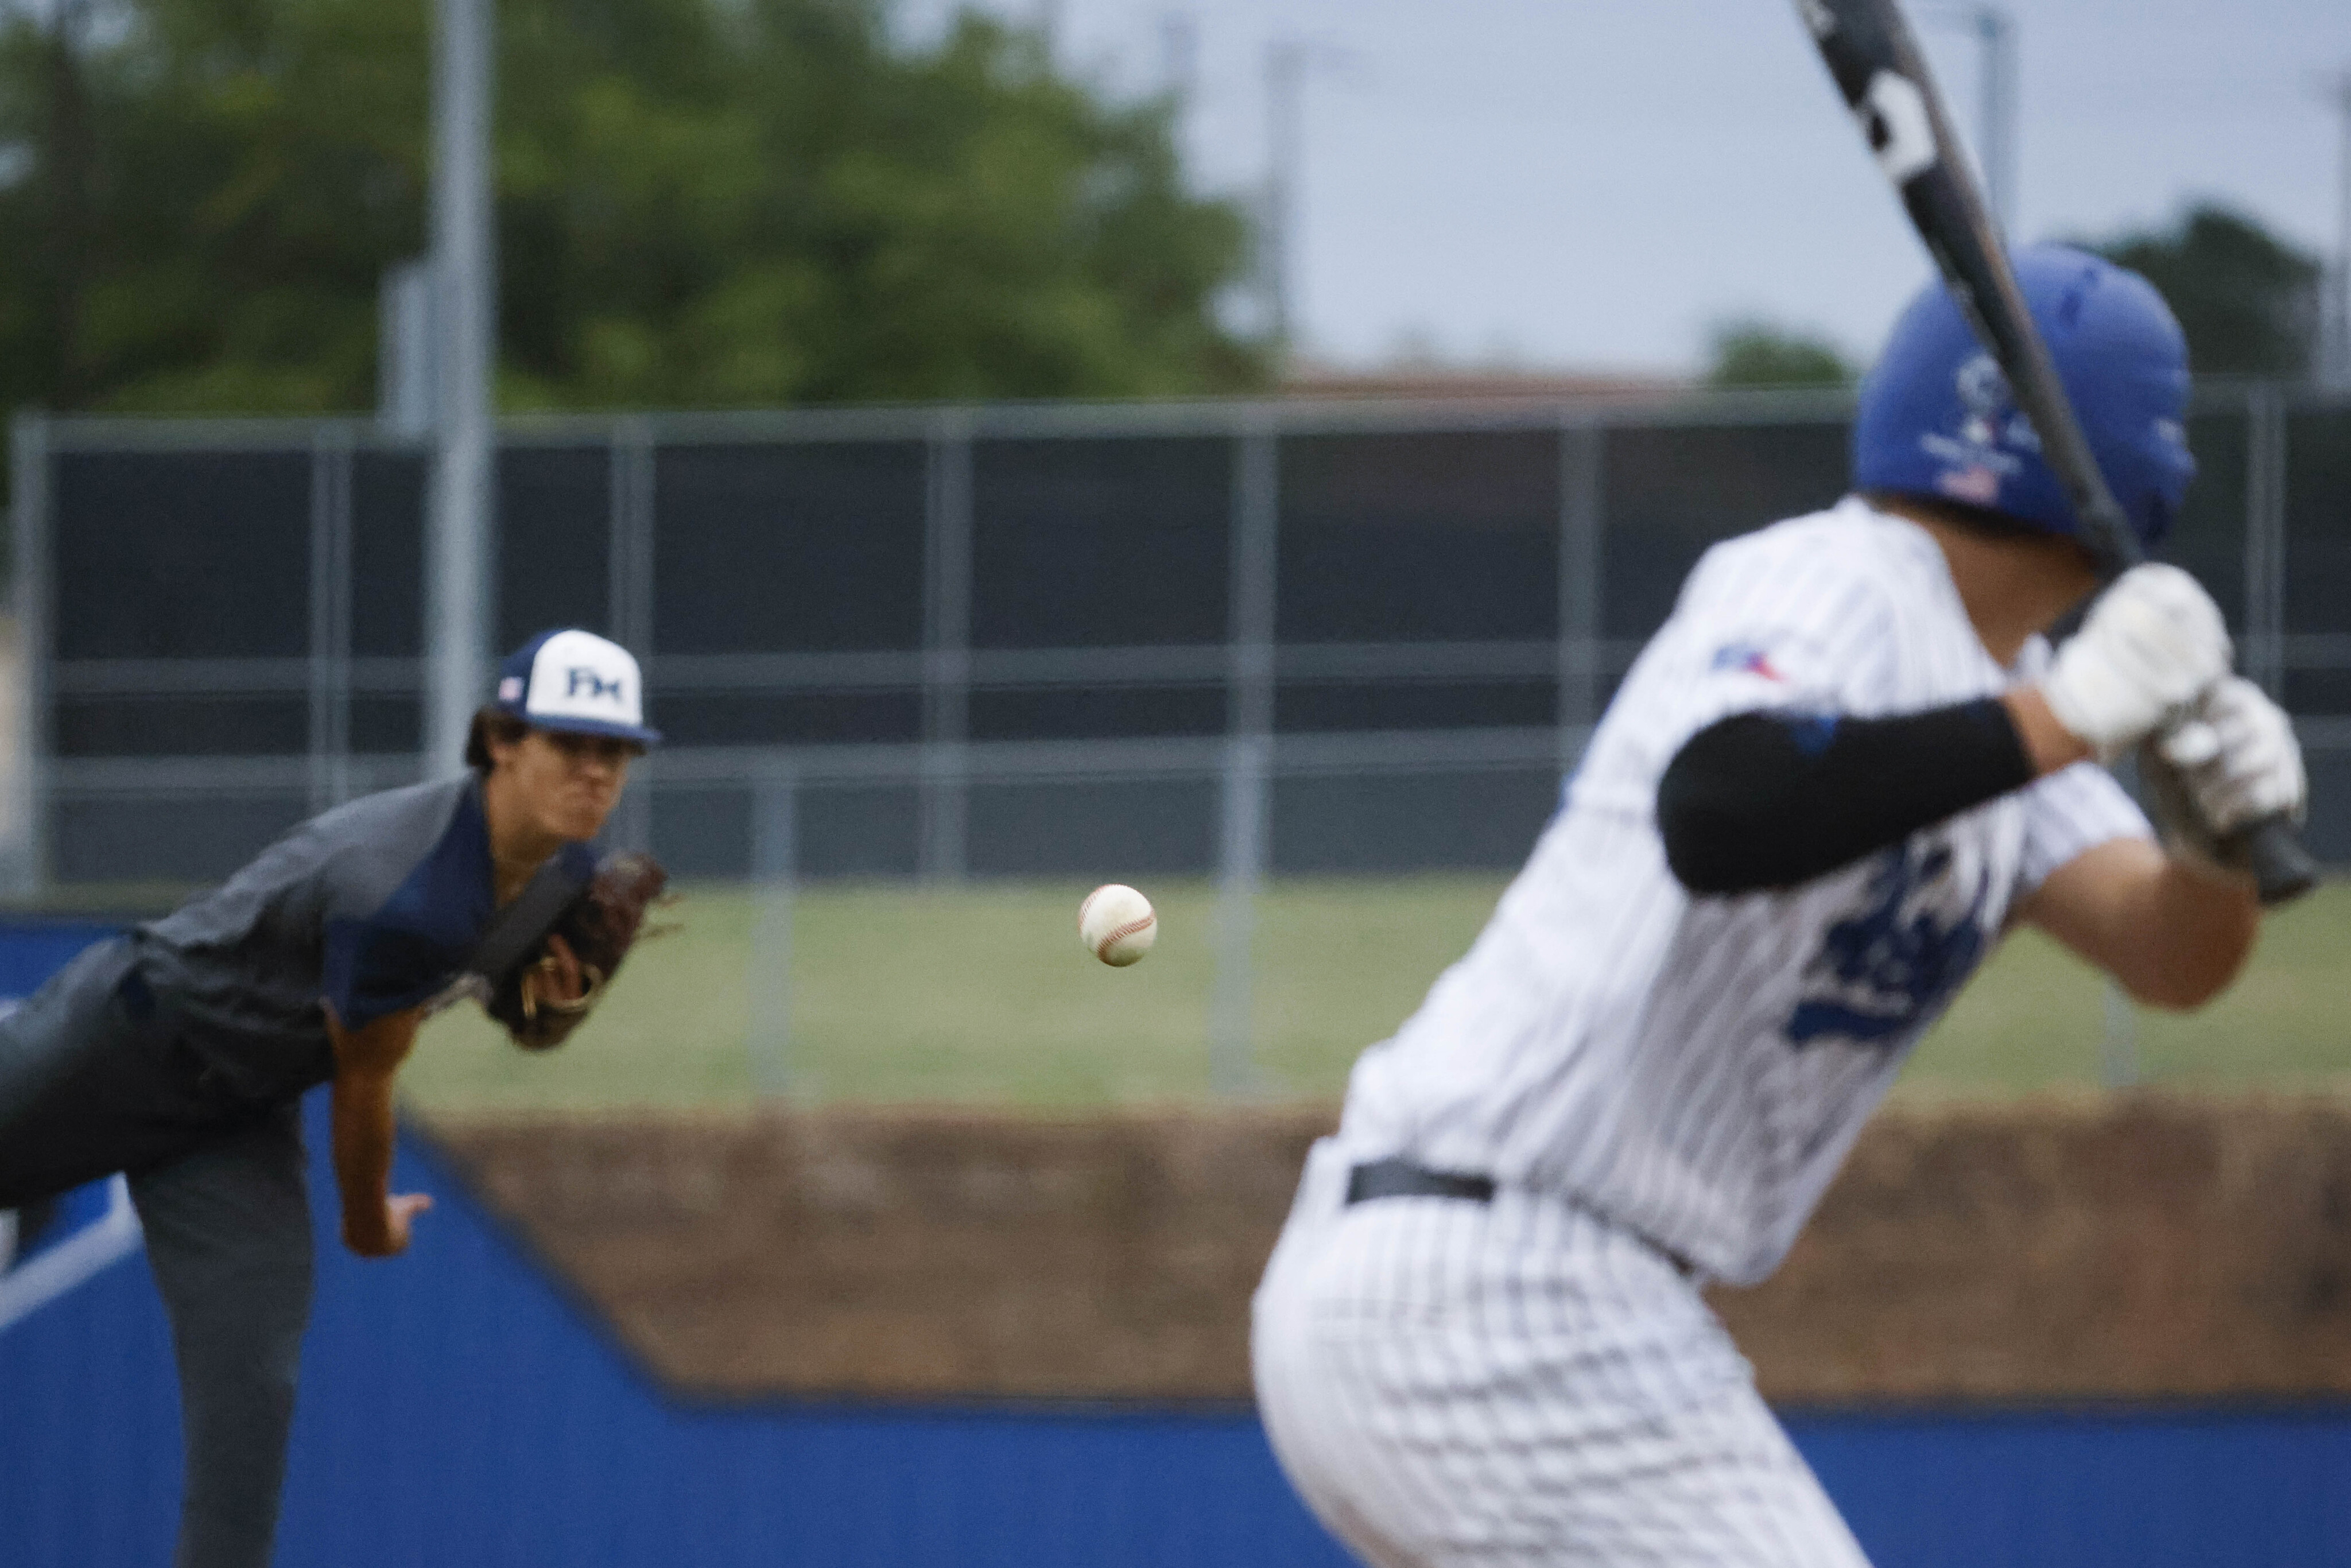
pixel 2265 538
pixel 330 616
pixel 1243 838
pixel 2118 1061
pixel 1581 516
pixel 944 848
pixel 1240 873
pixel 24 862
pixel 775 866
pixel 629 590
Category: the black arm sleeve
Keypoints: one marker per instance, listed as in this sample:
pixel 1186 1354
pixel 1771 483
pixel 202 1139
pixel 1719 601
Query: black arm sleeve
pixel 1772 799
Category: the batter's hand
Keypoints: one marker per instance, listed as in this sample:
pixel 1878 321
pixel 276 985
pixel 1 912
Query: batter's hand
pixel 400 1212
pixel 2234 760
pixel 2153 644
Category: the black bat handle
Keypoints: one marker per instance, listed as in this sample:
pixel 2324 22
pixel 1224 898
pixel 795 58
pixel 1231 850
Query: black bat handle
pixel 2283 869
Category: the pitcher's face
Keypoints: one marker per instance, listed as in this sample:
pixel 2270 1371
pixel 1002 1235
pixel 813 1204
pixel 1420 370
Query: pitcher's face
pixel 566 784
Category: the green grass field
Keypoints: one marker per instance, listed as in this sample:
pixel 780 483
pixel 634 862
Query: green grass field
pixel 981 994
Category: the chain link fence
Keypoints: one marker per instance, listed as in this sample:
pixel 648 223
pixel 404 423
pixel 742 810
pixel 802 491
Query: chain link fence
pixel 1211 642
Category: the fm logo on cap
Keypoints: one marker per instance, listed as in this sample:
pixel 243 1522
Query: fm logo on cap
pixel 574 680
pixel 598 687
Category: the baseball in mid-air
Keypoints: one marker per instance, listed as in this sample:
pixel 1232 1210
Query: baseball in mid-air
pixel 1117 925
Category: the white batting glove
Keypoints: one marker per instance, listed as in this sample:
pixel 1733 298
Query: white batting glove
pixel 2237 754
pixel 2154 642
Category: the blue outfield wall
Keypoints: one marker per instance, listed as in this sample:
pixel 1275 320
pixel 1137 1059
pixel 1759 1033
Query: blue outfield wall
pixel 459 1408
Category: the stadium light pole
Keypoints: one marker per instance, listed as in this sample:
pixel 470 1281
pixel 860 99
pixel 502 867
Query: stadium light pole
pixel 1996 104
pixel 1287 63
pixel 1179 54
pixel 2338 356
pixel 462 519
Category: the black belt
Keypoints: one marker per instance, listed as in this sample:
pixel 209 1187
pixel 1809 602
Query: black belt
pixel 1402 1178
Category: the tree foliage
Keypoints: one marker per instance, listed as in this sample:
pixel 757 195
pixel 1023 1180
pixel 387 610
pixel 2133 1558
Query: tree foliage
pixel 1752 354
pixel 699 202
pixel 2246 300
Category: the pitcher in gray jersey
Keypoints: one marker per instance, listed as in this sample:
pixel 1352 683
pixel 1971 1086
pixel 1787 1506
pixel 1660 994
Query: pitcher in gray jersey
pixel 177 1054
pixel 1846 766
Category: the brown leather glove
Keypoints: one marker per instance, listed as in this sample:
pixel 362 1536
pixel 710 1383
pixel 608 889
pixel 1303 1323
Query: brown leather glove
pixel 598 929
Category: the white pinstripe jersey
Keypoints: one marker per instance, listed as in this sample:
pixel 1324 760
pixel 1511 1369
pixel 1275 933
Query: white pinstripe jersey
pixel 1696 1068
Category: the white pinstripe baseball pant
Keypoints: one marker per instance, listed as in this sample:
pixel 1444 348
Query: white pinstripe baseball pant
pixel 1458 1383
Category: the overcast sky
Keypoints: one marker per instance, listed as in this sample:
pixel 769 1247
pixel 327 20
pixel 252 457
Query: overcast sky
pixel 1593 184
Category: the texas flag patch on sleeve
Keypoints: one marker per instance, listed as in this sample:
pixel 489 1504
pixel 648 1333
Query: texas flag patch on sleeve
pixel 1747 659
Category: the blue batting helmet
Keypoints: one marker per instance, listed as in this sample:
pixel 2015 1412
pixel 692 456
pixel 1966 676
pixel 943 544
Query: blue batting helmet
pixel 1937 419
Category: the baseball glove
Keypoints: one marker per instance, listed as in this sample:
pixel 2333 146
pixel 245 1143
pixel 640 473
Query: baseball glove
pixel 599 927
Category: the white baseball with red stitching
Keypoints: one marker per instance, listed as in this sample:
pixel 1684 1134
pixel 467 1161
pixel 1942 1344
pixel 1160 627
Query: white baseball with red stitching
pixel 1117 925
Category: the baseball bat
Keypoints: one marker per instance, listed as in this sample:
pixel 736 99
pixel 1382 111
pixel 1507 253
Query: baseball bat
pixel 1884 78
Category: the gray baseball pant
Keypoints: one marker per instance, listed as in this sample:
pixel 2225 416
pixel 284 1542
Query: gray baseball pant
pixel 88 1087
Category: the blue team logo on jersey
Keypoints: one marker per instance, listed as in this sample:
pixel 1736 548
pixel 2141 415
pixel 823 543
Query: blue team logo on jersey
pixel 1884 971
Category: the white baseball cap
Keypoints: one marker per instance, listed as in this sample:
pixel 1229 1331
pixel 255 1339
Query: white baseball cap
pixel 578 683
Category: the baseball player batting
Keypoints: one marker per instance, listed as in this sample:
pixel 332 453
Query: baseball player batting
pixel 1847 764
pixel 177 1054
